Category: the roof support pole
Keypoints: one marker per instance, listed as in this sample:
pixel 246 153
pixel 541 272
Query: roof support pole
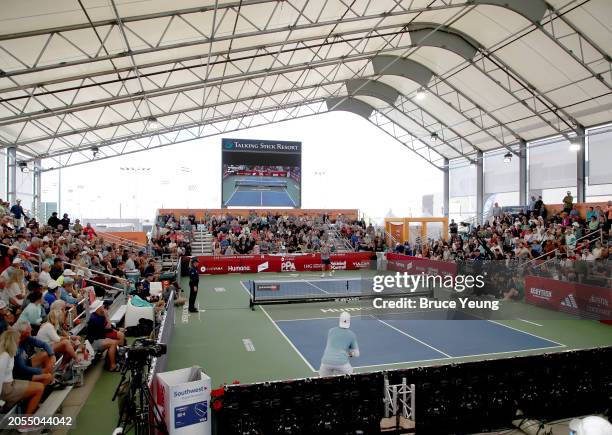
pixel 11 173
pixel 479 186
pixel 581 165
pixel 445 189
pixel 37 191
pixel 523 173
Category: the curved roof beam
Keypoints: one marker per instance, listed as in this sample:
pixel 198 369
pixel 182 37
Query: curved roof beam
pixel 443 37
pixel 403 67
pixel 533 10
pixel 421 74
pixel 352 105
pixel 494 64
pixel 372 88
pixel 390 95
pixel 363 109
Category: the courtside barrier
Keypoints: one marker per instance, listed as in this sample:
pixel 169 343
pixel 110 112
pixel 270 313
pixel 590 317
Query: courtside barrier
pixel 222 264
pixel 418 265
pixel 577 299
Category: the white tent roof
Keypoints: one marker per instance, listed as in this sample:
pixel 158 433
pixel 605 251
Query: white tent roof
pixel 83 75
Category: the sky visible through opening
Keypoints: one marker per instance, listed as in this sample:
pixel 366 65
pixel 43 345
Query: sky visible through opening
pixel 346 163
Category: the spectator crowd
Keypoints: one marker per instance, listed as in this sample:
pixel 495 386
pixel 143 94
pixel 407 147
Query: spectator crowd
pixel 47 272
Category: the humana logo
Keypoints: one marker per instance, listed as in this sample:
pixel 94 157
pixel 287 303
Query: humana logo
pixel 541 293
pixel 238 268
pixel 569 301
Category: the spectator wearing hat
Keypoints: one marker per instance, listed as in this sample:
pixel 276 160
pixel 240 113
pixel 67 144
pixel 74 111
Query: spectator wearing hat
pixel 67 273
pixel 34 360
pixel 67 291
pixel 50 295
pixel 96 334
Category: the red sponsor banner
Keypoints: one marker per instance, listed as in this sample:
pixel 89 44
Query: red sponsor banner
pixel 221 264
pixel 417 265
pixel 573 298
pixel 262 173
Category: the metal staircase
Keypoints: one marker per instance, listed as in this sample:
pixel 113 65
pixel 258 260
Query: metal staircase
pixel 340 244
pixel 202 243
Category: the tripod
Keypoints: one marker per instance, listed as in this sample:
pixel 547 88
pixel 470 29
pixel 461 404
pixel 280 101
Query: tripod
pixel 136 404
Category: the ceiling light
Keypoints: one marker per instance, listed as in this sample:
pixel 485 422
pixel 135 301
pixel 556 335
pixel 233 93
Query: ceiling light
pixel 434 137
pixel 574 144
pixel 420 95
pixel 508 157
pixel 153 123
pixel 95 151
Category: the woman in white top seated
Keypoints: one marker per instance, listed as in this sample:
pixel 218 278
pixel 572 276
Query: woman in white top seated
pixel 48 333
pixel 16 390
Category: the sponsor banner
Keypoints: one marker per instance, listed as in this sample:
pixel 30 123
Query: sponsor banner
pixel 572 298
pixel 221 264
pixel 261 173
pixel 417 265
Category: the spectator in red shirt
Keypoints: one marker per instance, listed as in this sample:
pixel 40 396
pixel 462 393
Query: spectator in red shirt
pixel 89 231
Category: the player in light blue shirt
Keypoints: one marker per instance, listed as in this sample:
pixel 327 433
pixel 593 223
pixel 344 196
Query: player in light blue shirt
pixel 341 345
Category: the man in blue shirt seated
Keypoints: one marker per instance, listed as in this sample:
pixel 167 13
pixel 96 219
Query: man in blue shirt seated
pixel 50 295
pixel 65 291
pixel 34 360
pixel 341 345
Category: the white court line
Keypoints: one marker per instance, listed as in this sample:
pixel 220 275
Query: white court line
pixel 290 199
pixel 261 199
pixel 287 338
pixel 317 287
pixel 410 336
pixel 463 356
pixel 527 321
pixel 528 333
pixel 232 195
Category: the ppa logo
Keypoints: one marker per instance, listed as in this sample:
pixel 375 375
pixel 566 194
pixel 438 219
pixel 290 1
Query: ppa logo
pixel 288 266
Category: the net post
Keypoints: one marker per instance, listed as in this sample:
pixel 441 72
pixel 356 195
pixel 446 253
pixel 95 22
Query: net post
pixel 252 299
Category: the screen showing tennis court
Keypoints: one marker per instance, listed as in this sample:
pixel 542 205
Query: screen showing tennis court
pixel 261 173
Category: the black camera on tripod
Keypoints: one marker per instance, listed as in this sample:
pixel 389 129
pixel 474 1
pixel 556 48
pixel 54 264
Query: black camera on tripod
pixel 138 353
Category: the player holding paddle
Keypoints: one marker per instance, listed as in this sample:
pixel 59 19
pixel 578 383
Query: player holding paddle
pixel 325 258
pixel 341 345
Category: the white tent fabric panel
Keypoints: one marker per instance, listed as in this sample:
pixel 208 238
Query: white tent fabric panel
pixel 462 179
pixel 600 155
pixel 500 176
pixel 551 165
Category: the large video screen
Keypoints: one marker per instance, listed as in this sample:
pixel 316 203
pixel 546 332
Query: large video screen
pixel 261 173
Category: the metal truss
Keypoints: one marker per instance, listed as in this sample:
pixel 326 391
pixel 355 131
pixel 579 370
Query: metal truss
pixel 229 84
pixel 579 47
